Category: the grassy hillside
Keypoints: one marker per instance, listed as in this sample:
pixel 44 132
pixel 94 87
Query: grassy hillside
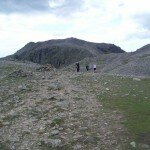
pixel 127 96
pixel 132 98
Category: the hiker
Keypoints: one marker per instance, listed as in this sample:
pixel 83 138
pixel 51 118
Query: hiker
pixel 77 66
pixel 94 67
pixel 87 67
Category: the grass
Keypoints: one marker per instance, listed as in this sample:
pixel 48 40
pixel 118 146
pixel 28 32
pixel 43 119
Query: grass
pixel 4 146
pixel 100 62
pixel 11 81
pixel 11 118
pixel 56 121
pixel 133 99
pixel 5 70
pixel 125 61
pixel 9 84
pixel 47 147
pixel 145 55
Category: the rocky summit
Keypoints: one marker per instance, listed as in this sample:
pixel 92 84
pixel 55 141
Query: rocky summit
pixel 63 52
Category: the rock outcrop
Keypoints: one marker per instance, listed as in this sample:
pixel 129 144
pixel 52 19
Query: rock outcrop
pixel 63 52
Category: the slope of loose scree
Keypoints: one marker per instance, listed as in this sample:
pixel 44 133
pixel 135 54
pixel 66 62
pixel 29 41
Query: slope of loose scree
pixel 55 109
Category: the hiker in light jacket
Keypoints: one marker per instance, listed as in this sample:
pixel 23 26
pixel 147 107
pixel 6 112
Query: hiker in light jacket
pixel 94 67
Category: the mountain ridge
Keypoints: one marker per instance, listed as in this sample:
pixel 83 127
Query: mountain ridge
pixel 63 52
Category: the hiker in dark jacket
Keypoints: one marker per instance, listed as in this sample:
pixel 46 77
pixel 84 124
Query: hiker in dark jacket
pixel 78 67
pixel 87 67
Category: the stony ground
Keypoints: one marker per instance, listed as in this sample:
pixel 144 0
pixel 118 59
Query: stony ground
pixel 44 110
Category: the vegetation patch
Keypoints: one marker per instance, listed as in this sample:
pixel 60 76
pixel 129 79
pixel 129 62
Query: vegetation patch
pixel 4 146
pixel 100 62
pixel 56 121
pixel 125 61
pixel 133 99
pixel 145 55
pixel 78 98
pixel 11 80
pixel 45 146
pixel 5 70
pixel 37 113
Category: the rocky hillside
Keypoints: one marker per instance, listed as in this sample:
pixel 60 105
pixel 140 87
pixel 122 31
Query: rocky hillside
pixel 132 64
pixel 43 110
pixel 136 63
pixel 47 109
pixel 63 52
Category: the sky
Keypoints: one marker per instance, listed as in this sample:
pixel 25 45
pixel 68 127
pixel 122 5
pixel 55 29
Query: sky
pixel 125 23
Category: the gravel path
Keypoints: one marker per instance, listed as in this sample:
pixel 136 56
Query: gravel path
pixel 58 113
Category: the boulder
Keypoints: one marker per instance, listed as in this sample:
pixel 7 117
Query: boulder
pixel 55 86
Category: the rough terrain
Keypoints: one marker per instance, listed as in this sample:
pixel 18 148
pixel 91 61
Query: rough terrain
pixel 45 108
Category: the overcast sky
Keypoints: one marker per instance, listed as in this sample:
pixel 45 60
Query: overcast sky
pixel 125 23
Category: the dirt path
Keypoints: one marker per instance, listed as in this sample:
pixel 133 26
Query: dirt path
pixel 61 113
pixel 103 130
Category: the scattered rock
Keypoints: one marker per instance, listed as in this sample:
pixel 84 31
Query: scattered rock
pixel 63 104
pixel 42 130
pixel 37 120
pixel 20 73
pixel 47 67
pixel 89 139
pixel 54 143
pixel 51 98
pixel 77 147
pixel 6 123
pixel 16 98
pixel 55 86
pixel 55 132
pixel 83 128
pixel 136 79
pixel 107 89
pixel 43 77
pixel 133 144
pixel 23 87
pixel 60 129
pixel 33 81
pixel 12 113
pixel 78 138
pixel 143 146
pixel 98 148
pixel 62 115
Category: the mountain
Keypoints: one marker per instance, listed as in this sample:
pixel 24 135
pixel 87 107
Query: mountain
pixel 144 49
pixel 63 52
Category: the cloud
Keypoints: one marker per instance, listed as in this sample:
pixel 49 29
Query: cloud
pixel 65 7
pixel 122 22
pixel 23 6
pixel 58 7
pixel 143 20
pixel 137 11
